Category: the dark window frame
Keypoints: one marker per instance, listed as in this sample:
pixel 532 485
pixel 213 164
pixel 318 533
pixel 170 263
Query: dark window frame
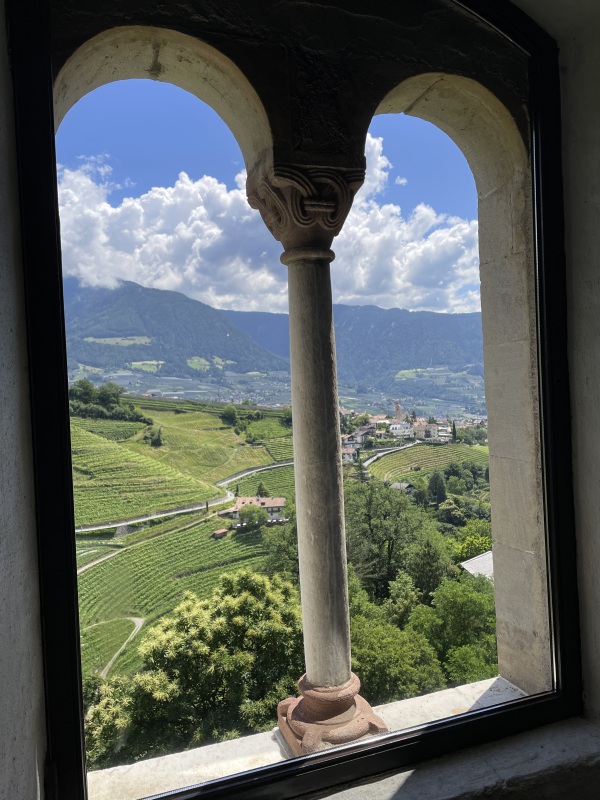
pixel 30 56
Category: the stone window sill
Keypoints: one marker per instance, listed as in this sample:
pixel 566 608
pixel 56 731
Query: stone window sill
pixel 210 762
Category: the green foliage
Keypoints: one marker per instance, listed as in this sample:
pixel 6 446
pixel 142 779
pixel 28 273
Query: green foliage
pixel 229 415
pixel 210 668
pixel 392 664
pixel 437 488
pixel 103 403
pixel 261 490
pixel 450 512
pixel 149 578
pixel 400 466
pixel 281 542
pixel 428 561
pixel 403 599
pixel 280 449
pixel 253 516
pixel 382 525
pixel 474 538
pixel 286 416
pixel 461 615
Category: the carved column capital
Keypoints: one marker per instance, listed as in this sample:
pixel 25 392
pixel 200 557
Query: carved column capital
pixel 304 206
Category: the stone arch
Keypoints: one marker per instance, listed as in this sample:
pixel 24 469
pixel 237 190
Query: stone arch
pixel 173 57
pixel 484 130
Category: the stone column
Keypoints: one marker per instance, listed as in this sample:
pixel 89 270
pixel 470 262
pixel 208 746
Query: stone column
pixel 304 208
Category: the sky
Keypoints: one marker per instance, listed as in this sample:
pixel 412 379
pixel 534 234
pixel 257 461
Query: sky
pixel 152 189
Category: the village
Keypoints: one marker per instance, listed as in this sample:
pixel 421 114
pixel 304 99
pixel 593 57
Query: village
pixel 362 431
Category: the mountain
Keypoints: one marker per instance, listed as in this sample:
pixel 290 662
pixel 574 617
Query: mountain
pixel 145 325
pixel 373 343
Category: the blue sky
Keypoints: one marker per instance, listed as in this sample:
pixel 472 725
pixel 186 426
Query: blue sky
pixel 151 189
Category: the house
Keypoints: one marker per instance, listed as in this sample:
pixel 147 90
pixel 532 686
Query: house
pixel 407 488
pixel 319 66
pixel 360 435
pixel 349 454
pixel 402 430
pixel 274 506
pixel 220 534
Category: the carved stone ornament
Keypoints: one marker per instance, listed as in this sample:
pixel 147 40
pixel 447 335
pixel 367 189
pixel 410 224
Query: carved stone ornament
pixel 304 206
pixel 325 717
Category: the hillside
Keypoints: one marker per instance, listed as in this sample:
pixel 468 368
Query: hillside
pixel 373 344
pixel 155 329
pixel 111 328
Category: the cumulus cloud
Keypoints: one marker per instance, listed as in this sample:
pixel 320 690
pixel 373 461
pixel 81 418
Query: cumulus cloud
pixel 400 181
pixel 202 239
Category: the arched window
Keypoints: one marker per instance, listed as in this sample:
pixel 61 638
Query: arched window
pixel 316 95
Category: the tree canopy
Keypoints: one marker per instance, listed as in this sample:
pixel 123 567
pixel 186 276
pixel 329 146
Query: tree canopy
pixel 211 669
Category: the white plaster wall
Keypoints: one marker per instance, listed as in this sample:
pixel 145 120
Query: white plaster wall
pixel 576 27
pixel 22 736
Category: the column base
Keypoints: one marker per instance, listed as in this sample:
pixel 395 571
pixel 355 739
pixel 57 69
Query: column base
pixel 326 717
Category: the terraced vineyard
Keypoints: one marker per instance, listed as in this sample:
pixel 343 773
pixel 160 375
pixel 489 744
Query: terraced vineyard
pixel 112 483
pixel 149 578
pixel 279 482
pixel 111 429
pixel 269 428
pixel 280 449
pixel 425 459
pixel 100 642
pixel 197 444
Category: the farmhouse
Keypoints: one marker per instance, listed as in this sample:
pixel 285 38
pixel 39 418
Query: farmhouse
pixel 220 534
pixel 274 507
pixel 349 454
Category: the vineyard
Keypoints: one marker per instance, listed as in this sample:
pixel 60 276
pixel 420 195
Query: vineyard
pixel 149 578
pixel 112 483
pixel 110 429
pixel 280 449
pixel 197 444
pixel 100 642
pixel 425 459
pixel 269 428
pixel 278 482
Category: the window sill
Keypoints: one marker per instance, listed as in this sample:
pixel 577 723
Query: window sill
pixel 214 761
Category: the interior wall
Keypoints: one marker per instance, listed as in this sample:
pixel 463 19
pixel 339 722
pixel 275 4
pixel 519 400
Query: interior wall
pixel 576 27
pixel 22 729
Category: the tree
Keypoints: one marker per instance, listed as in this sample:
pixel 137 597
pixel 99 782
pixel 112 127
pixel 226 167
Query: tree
pixel 229 415
pixel 109 394
pixel 392 664
pixel 453 431
pixel 437 487
pixel 156 439
pixel 253 516
pixel 402 600
pixel 428 562
pixel 381 526
pixel 281 542
pixel 211 668
pixel 261 490
pixel 83 391
pixel 461 614
pixel 286 416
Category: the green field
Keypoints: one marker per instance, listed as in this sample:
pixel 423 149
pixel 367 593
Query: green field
pixel 269 428
pixel 148 579
pixel 112 483
pixel 424 459
pixel 109 428
pixel 100 642
pixel 196 443
pixel 280 449
pixel 122 341
pixel 279 482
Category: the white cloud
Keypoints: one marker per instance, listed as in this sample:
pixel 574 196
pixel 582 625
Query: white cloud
pixel 200 238
pixel 400 181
